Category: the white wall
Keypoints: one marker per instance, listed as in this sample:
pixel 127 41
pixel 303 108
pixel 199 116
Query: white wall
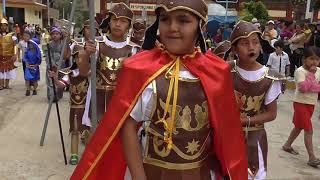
pixel 32 16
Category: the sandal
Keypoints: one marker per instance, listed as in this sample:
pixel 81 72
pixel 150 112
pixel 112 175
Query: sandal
pixel 74 159
pixel 290 150
pixel 314 163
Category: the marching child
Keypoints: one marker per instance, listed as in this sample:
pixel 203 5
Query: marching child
pixel 257 88
pixel 184 99
pixel 32 59
pixel 306 95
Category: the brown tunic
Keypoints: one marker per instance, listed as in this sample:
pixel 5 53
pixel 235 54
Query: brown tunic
pixel 189 157
pixel 251 96
pixel 78 94
pixel 108 68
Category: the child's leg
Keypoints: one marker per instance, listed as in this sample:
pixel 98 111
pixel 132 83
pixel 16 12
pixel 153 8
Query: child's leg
pixel 28 86
pixel 35 85
pixel 309 145
pixel 293 135
pixel 1 84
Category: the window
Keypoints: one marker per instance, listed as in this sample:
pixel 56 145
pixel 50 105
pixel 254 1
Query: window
pixel 36 13
pixel 40 14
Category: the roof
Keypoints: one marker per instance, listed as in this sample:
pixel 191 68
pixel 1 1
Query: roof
pixel 24 3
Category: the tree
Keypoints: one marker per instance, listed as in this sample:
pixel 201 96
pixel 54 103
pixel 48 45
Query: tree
pixel 254 9
pixel 80 15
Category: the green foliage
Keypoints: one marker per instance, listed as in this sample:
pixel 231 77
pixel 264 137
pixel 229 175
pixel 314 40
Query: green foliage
pixel 80 14
pixel 256 9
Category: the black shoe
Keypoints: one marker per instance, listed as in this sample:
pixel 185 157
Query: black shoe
pixel 34 92
pixel 27 92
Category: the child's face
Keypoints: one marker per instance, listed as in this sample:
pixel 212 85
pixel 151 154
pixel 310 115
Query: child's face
pixel 279 50
pixel 248 49
pixel 56 36
pixel 312 62
pixel 86 32
pixel 119 26
pixel 178 31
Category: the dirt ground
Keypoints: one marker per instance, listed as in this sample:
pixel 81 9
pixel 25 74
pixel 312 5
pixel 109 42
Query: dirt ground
pixel 22 118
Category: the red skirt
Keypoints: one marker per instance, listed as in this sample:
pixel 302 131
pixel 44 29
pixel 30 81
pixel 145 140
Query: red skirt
pixel 302 116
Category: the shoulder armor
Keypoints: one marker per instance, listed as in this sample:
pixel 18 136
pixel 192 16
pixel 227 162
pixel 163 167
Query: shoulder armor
pixel 274 75
pixel 79 40
pixel 65 71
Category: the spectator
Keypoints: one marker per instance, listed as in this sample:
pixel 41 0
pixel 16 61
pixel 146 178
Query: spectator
pixel 297 43
pixel 218 36
pixel 270 33
pixel 279 61
pixel 286 32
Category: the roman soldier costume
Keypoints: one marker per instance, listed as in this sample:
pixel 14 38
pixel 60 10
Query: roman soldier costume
pixel 251 97
pixel 111 56
pixel 204 133
pixel 7 52
pixel 78 93
pixel 139 26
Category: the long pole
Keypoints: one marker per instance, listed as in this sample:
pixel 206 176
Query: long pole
pixel 57 107
pixel 48 14
pixel 93 58
pixel 226 16
pixel 4 8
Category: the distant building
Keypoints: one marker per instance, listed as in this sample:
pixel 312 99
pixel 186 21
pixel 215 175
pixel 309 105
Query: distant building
pixel 27 11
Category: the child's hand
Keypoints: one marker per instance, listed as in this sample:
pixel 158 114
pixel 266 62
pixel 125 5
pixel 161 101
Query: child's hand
pixel 52 74
pixel 90 47
pixel 313 69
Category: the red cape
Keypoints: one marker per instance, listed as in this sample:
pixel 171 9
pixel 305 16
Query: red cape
pixel 103 157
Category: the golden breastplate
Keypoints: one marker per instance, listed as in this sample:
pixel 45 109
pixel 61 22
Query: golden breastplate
pixel 6 45
pixel 191 135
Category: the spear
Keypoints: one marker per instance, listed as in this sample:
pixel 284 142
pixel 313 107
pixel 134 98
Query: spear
pixel 93 69
pixel 44 130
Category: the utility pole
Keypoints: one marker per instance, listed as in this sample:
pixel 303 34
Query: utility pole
pixel 308 11
pixel 48 14
pixel 4 8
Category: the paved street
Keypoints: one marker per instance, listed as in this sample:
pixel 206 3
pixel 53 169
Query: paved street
pixel 21 122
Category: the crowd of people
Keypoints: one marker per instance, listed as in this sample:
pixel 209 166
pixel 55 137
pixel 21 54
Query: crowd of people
pixel 152 124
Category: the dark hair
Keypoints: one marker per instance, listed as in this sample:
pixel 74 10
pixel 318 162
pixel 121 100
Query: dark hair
pixel 310 51
pixel 279 44
pixel 288 23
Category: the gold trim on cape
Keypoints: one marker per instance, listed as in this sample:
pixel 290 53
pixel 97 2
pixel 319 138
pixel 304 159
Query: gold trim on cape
pixel 124 117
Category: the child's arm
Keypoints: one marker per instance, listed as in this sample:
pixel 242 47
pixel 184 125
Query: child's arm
pixel 269 115
pixel 57 82
pixel 132 150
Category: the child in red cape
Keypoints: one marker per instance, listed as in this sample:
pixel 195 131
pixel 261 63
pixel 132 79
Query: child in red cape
pixel 185 101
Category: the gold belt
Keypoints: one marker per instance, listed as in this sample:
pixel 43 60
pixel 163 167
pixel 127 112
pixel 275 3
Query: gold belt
pixel 106 87
pixel 78 106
